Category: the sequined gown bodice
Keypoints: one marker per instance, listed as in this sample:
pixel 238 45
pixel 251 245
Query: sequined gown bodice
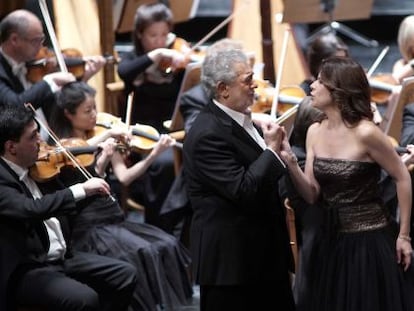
pixel 352 263
pixel 351 187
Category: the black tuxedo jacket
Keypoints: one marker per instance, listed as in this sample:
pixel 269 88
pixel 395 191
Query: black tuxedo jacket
pixel 13 93
pixel 239 233
pixel 23 236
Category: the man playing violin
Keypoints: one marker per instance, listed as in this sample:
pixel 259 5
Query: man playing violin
pixel 21 38
pixel 38 267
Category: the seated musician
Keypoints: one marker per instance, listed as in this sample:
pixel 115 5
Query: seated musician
pixel 155 92
pixel 21 38
pixel 101 228
pixel 38 266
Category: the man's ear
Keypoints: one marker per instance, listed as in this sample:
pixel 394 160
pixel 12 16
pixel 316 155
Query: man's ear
pixel 223 89
pixel 10 147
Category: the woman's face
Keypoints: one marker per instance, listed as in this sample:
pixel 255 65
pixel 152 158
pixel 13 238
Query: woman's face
pixel 84 118
pixel 154 36
pixel 321 97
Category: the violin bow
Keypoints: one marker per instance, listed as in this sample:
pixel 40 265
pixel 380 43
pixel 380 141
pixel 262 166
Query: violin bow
pixel 273 110
pixel 69 154
pixel 52 35
pixel 379 59
pixel 129 109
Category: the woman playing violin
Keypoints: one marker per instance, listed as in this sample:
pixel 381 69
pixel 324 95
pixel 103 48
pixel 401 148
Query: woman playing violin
pixel 101 227
pixel 155 91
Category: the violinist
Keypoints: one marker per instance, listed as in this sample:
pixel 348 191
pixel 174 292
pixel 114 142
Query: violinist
pixel 38 265
pixel 101 226
pixel 404 67
pixel 21 37
pixel 155 94
pixel 155 91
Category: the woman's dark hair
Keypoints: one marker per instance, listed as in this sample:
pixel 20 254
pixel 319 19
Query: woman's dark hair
pixel 349 87
pixel 68 99
pixel 146 15
pixel 322 47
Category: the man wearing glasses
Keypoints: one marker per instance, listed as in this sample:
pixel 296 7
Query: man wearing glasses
pixel 21 38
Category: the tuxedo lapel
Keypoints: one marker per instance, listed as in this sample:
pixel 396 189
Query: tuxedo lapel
pixel 38 225
pixel 14 81
pixel 245 141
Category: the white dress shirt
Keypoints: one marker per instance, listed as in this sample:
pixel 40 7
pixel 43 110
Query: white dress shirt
pixel 246 122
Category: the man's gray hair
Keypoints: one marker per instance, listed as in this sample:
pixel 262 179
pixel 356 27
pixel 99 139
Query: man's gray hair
pixel 220 67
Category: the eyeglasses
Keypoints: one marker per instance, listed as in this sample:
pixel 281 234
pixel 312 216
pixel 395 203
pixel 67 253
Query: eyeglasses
pixel 36 40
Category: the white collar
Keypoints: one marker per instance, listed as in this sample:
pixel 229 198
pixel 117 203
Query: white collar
pixel 20 171
pixel 241 118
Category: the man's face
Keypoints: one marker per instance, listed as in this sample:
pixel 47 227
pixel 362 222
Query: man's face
pixel 241 91
pixel 29 44
pixel 25 151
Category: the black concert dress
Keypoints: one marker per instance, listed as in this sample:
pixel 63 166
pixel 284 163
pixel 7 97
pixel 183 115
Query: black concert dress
pixel 354 262
pixel 161 261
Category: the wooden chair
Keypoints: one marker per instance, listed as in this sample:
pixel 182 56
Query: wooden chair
pixel 291 225
pixel 392 119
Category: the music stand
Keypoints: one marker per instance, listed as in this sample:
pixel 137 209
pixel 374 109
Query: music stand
pixel 315 11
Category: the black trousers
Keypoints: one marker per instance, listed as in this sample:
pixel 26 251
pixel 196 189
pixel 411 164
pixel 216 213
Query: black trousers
pixel 83 282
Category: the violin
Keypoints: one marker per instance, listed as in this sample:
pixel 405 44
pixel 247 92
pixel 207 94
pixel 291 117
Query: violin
pixel 382 86
pixel 144 137
pixel 45 62
pixel 168 65
pixel 52 159
pixel 289 96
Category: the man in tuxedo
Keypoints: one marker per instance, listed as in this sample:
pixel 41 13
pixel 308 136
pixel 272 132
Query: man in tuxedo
pixel 37 266
pixel 239 239
pixel 21 38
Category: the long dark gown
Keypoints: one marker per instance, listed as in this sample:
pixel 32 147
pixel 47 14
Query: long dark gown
pixel 160 259
pixel 355 267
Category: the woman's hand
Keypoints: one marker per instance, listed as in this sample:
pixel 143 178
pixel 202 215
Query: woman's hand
pixel 163 144
pixel 404 251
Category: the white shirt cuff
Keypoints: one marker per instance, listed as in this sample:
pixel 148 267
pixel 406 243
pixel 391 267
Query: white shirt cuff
pixel 277 156
pixel 78 192
pixel 53 86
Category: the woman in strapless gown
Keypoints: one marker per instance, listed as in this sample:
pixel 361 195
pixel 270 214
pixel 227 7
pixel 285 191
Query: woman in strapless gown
pixel 362 258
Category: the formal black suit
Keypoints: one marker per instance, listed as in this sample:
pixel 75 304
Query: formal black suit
pixel 24 244
pixel 239 235
pixel 13 93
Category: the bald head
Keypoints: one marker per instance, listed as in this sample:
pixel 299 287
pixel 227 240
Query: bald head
pixel 20 22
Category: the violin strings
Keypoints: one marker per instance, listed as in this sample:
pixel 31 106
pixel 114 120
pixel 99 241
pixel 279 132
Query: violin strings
pixel 55 139
pixel 69 154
